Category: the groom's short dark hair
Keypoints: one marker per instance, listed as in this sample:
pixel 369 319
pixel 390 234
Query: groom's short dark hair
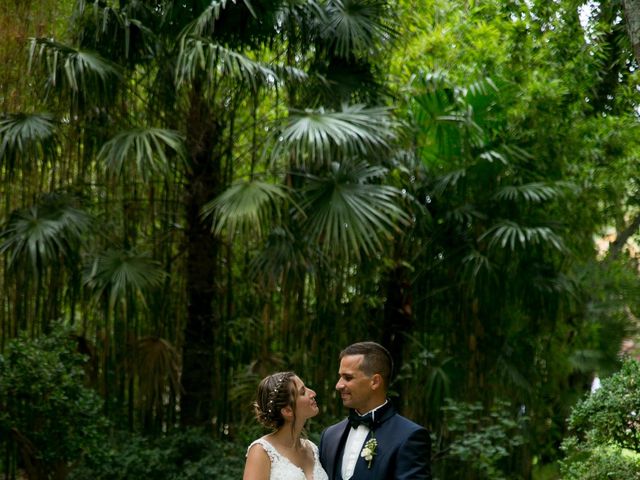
pixel 376 359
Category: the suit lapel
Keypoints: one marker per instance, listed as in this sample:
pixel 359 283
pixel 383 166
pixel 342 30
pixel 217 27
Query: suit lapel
pixel 361 470
pixel 337 450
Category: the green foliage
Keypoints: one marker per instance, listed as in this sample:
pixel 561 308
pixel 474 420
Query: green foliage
pixel 456 226
pixel 598 462
pixel 187 455
pixel 605 431
pixel 611 414
pixel 39 236
pixel 46 412
pixel 480 439
pixel 141 152
pixel 27 137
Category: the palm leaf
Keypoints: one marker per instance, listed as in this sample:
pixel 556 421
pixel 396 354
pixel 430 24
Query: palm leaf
pixel 448 180
pixel 142 152
pixel 26 136
pixel 347 216
pixel 115 274
pixel 451 117
pixel 356 26
pixel 204 24
pixel 475 263
pixel 464 214
pixel 245 206
pixel 85 75
pixel 324 136
pixel 284 260
pixel 535 192
pixel 157 365
pixel 508 233
pixel 40 235
pixel 111 22
pixel 199 55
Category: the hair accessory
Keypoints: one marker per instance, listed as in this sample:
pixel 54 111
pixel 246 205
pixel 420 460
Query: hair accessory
pixel 274 393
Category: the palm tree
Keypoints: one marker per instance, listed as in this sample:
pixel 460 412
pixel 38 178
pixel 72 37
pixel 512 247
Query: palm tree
pixel 169 102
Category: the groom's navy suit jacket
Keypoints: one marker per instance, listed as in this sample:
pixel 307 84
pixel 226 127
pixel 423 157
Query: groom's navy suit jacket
pixel 403 451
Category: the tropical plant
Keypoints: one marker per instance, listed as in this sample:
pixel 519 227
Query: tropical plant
pixel 185 127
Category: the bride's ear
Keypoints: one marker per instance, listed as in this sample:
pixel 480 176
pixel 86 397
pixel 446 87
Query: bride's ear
pixel 287 412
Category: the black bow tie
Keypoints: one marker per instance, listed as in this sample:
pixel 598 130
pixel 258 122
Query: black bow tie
pixel 371 419
pixel 356 420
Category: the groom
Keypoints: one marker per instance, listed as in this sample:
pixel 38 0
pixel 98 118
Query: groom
pixel 375 442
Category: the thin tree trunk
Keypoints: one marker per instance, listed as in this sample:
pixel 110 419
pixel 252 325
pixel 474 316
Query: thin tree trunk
pixel 632 14
pixel 621 238
pixel 203 183
pixel 398 313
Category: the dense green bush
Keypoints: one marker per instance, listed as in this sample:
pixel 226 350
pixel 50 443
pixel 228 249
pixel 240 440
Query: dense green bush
pixel 479 440
pixel 605 430
pixel 595 462
pixel 48 419
pixel 188 455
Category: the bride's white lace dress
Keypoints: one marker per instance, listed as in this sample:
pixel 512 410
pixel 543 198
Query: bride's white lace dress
pixel 283 469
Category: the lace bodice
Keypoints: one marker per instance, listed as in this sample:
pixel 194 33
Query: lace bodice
pixel 283 469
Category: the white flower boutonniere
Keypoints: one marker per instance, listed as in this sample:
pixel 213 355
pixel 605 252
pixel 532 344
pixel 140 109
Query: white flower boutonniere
pixel 369 451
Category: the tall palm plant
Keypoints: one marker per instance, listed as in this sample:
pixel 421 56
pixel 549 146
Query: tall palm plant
pixel 489 225
pixel 169 103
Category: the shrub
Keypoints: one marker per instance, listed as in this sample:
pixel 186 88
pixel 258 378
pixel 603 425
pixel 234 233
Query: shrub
pixel 47 415
pixel 605 430
pixel 188 455
pixel 480 439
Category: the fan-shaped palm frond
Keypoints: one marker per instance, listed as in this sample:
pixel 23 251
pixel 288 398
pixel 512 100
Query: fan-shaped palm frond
pixel 27 137
pixel 464 214
pixel 324 136
pixel 157 364
pixel 85 75
pixel 42 234
pixel 116 273
pixel 302 13
pixel 356 26
pixel 142 152
pixel 535 192
pixel 509 233
pixel 199 55
pixel 450 116
pixel 475 262
pixel 204 24
pixel 245 206
pixel 284 259
pixel 346 215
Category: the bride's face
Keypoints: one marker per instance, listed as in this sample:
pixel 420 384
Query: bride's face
pixel 306 406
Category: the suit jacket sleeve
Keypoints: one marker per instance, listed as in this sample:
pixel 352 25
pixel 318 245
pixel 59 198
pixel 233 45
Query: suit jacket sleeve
pixel 414 457
pixel 323 451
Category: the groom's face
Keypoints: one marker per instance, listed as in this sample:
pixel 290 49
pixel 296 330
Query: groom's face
pixel 354 385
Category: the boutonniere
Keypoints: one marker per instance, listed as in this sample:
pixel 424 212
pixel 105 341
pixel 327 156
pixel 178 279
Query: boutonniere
pixel 369 451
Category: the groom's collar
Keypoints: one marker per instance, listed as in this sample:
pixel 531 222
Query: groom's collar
pixel 374 417
pixel 376 411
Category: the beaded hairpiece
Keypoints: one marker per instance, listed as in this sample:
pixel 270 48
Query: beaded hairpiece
pixel 273 394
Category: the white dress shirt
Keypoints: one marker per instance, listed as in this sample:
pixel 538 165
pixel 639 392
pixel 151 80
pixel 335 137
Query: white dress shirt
pixel 353 446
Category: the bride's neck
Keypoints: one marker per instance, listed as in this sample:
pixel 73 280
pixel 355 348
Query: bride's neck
pixel 288 436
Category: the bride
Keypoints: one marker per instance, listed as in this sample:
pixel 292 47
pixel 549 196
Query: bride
pixel 284 404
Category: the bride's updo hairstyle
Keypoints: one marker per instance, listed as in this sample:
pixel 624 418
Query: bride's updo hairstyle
pixel 275 392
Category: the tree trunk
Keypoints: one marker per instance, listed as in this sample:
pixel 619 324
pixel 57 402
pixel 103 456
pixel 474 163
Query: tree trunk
pixel 398 313
pixel 632 15
pixel 203 183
